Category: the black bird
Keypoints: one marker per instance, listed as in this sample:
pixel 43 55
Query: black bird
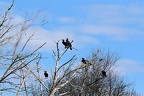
pixel 69 44
pixel 100 59
pixel 64 43
pixel 104 73
pixel 84 61
pixel 45 74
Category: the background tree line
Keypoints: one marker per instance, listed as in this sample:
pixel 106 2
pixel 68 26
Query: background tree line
pixel 21 68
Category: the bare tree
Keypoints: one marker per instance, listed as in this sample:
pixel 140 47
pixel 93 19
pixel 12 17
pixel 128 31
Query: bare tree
pixel 90 80
pixel 63 73
pixel 86 79
pixel 16 61
pixel 21 68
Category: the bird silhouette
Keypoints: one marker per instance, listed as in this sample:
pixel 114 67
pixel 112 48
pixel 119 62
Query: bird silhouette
pixel 69 44
pixel 100 59
pixel 104 73
pixel 84 61
pixel 64 43
pixel 45 74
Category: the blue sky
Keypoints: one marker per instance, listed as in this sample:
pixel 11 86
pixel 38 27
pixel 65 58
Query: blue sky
pixel 117 25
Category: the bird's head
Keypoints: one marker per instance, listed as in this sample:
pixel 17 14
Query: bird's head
pixel 82 58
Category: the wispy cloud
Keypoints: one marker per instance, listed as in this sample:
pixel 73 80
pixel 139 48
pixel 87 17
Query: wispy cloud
pixel 66 20
pixel 4 5
pixel 114 20
pixel 112 31
pixel 43 35
pixel 126 66
pixel 50 35
pixel 114 14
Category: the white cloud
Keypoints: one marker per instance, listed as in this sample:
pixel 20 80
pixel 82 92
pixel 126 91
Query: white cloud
pixel 4 4
pixel 66 20
pixel 114 13
pixel 50 36
pixel 43 35
pixel 16 19
pixel 108 24
pixel 118 22
pixel 126 66
pixel 103 29
pixel 111 31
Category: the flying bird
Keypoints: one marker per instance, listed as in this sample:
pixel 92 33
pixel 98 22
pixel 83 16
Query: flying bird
pixel 104 73
pixel 45 74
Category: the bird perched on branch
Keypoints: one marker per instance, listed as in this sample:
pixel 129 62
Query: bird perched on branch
pixel 69 44
pixel 100 59
pixel 84 61
pixel 45 74
pixel 64 43
pixel 104 73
